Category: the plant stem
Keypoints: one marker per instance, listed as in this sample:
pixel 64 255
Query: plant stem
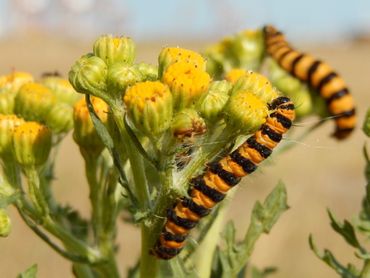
pixel 366 270
pixel 148 263
pixel 203 257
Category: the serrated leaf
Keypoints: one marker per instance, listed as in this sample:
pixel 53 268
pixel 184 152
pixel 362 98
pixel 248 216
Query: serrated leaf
pixel 75 223
pixel 5 201
pixel 31 272
pixel 235 257
pixel 330 260
pixel 257 273
pixel 346 230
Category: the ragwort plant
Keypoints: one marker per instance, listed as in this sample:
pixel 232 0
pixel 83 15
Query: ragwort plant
pixel 163 143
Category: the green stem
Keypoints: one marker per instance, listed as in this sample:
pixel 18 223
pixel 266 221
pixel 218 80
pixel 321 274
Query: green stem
pixel 366 270
pixel 203 257
pixel 148 263
pixel 82 271
pixel 36 193
pixel 135 159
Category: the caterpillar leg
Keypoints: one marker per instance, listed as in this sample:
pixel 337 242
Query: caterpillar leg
pixel 211 187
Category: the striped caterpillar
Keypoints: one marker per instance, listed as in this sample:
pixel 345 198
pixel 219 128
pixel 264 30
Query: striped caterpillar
pixel 319 76
pixel 209 188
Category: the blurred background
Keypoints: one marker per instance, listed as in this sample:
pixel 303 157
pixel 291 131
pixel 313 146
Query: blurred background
pixel 320 173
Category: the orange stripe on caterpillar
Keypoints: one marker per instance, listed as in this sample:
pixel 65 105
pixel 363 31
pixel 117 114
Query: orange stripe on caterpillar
pixel 210 188
pixel 319 76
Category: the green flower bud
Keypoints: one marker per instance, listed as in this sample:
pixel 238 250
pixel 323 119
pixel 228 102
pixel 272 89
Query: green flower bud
pixel 7 125
pixel 187 83
pixel 121 76
pixel 245 112
pixel 248 48
pixel 149 72
pixel 84 133
pixel 62 89
pixel 88 76
pixel 60 118
pixel 31 144
pixel 187 123
pixel 291 87
pixel 211 104
pixel 366 126
pixel 219 58
pixel 149 106
pixel 115 49
pixel 257 84
pixel 5 223
pixel 33 102
pixel 7 97
pixel 15 80
pixel 170 55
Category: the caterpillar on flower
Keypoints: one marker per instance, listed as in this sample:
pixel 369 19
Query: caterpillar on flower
pixel 210 188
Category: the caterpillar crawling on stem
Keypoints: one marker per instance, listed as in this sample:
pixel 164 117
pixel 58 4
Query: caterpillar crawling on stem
pixel 210 188
pixel 319 76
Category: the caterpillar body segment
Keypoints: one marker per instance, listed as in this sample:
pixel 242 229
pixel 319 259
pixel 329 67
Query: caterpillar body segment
pixel 211 187
pixel 319 76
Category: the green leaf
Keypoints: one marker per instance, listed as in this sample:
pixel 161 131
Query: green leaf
pixel 29 273
pixel 256 273
pixel 366 125
pixel 75 223
pixel 232 260
pixel 346 230
pixel 329 259
pixel 8 200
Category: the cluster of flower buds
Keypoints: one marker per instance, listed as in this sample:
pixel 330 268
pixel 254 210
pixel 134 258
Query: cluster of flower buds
pixel 243 50
pixel 30 113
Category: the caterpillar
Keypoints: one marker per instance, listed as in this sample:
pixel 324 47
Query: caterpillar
pixel 209 188
pixel 319 76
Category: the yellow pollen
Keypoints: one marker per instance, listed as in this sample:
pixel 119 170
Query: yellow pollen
pixel 184 55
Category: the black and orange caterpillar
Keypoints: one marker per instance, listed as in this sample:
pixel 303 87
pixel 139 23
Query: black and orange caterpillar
pixel 318 75
pixel 209 188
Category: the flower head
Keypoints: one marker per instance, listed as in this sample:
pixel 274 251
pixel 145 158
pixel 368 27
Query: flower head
pixel 186 83
pixel 31 143
pixel 7 125
pixel 62 89
pixel 149 106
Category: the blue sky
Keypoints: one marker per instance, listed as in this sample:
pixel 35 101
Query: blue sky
pixel 188 19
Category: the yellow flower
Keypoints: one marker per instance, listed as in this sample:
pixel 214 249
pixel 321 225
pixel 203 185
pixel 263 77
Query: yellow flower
pixel 149 106
pixel 31 143
pixel 7 125
pixel 233 75
pixel 186 83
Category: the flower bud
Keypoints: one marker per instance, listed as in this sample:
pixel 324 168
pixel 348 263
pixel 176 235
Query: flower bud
pixel 187 83
pixel 5 223
pixel 84 132
pixel 62 89
pixel 33 102
pixel 366 126
pixel 149 106
pixel 219 58
pixel 211 104
pixel 7 125
pixel 60 118
pixel 248 48
pixel 15 80
pixel 120 76
pixel 187 123
pixel 170 55
pixel 149 72
pixel 291 87
pixel 7 97
pixel 233 75
pixel 257 84
pixel 245 111
pixel 115 49
pixel 31 144
pixel 88 76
